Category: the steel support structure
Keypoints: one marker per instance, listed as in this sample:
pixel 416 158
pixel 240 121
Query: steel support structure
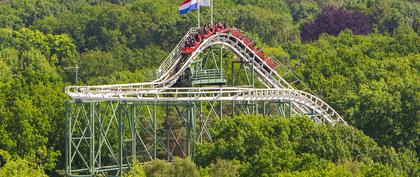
pixel 110 127
pixel 106 137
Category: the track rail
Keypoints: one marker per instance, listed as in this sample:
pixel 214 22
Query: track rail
pixel 176 64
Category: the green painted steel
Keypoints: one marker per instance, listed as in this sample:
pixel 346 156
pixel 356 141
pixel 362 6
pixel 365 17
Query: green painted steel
pixel 208 77
pixel 106 137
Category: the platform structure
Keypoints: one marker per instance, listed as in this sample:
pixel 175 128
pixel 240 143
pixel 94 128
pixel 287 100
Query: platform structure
pixel 110 127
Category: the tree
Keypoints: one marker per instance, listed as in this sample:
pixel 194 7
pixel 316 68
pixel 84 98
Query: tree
pixel 32 91
pixel 18 167
pixel 270 146
pixel 303 11
pixel 224 168
pixel 370 80
pixel 157 168
pixel 136 171
pixel 183 167
pixel 179 168
pixel 333 20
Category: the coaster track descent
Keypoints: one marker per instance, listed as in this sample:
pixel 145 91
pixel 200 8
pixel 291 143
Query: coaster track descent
pixel 108 127
pixel 195 42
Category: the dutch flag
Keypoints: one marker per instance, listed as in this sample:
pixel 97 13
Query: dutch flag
pixel 187 6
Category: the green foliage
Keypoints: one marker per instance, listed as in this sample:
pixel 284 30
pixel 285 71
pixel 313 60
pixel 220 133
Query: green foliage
pixel 303 11
pixel 136 171
pixel 179 168
pixel 267 146
pixel 157 168
pixel 19 167
pixel 330 171
pixel 31 93
pixel 224 168
pixel 183 167
pixel 371 80
pixel 389 15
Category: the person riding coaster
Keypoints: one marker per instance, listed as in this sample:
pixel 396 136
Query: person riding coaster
pixel 210 32
pixel 193 42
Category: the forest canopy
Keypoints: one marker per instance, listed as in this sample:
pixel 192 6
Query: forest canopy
pixel 362 57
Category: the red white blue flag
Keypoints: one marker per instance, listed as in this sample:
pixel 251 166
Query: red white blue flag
pixel 188 5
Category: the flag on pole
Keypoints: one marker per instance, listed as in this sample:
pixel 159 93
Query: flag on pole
pixel 188 5
pixel 203 3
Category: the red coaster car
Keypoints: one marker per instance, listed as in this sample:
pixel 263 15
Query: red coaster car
pixel 238 34
pixel 271 63
pixel 249 43
pixel 188 50
pixel 220 28
pixel 210 33
pixel 261 55
pixel 227 30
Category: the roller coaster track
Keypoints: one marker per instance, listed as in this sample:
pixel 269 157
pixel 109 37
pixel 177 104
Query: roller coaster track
pixel 176 64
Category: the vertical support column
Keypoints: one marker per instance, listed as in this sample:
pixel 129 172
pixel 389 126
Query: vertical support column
pixel 201 122
pixel 233 108
pixel 68 139
pixel 221 109
pixel 101 132
pixel 193 126
pixel 133 133
pixel 221 57
pixel 92 138
pixel 264 111
pixel 100 128
pixel 154 131
pixel 232 74
pixel 256 107
pixel 120 136
pixel 188 138
pixel 191 129
pixel 99 117
pixel 168 133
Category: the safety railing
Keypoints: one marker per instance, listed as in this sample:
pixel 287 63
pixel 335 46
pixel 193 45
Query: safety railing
pixel 174 55
pixel 208 74
pixel 210 94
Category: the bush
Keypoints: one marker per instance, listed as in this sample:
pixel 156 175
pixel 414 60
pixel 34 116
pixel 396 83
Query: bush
pixel 224 168
pixel 157 168
pixel 21 168
pixel 136 171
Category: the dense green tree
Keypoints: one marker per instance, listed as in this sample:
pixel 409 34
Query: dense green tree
pixel 157 168
pixel 183 167
pixel 371 80
pixel 267 146
pixel 136 171
pixel 303 11
pixel 224 168
pixel 179 168
pixel 18 167
pixel 389 15
pixel 30 119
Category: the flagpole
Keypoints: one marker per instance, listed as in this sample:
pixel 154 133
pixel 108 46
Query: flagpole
pixel 212 13
pixel 198 4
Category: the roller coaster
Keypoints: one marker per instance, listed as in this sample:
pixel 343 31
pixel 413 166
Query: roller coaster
pixel 109 127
